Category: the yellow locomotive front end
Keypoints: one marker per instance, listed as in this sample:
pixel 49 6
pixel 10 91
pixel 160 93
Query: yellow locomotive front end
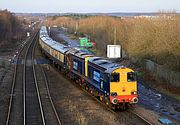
pixel 123 87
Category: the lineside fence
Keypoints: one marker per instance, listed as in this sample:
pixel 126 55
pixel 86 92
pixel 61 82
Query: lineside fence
pixel 162 72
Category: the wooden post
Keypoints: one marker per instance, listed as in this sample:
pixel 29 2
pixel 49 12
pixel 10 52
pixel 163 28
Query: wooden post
pixel 114 35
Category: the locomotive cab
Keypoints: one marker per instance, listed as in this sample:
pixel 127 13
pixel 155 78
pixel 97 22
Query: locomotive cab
pixel 123 86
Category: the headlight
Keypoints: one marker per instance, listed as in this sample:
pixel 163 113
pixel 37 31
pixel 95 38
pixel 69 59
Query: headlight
pixel 133 93
pixel 114 94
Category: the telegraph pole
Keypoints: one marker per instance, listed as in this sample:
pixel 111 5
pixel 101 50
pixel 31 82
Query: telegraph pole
pixel 76 27
pixel 114 35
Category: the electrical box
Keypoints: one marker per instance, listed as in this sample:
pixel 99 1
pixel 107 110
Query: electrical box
pixel 113 51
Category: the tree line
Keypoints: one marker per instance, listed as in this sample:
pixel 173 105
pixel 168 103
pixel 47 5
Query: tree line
pixel 155 38
pixel 10 27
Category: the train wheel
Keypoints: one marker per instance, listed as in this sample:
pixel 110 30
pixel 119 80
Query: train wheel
pixel 101 98
pixel 87 88
pixel 107 102
pixel 71 77
pixel 84 86
pixel 76 81
pixel 96 93
pixel 113 107
pixel 82 82
pixel 91 91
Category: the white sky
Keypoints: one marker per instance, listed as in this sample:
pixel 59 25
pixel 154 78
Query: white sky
pixel 90 6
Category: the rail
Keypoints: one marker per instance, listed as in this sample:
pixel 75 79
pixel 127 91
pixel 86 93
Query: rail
pixel 13 85
pixel 49 95
pixel 37 88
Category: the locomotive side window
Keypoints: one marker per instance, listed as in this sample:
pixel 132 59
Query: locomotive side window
pixel 75 65
pixel 115 77
pixel 131 77
pixel 96 76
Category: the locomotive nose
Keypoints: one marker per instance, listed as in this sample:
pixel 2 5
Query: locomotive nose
pixel 135 100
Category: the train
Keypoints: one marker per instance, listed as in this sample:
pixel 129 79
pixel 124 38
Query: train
pixel 112 83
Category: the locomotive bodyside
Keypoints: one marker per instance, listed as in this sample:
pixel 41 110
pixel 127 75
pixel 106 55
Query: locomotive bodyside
pixel 77 64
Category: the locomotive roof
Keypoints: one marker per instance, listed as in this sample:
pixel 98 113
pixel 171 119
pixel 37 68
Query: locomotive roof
pixel 79 53
pixel 83 55
pixel 49 41
pixel 108 65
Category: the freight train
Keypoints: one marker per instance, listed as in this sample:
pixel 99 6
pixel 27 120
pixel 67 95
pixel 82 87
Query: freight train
pixel 113 84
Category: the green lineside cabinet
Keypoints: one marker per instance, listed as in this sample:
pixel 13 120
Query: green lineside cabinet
pixel 85 42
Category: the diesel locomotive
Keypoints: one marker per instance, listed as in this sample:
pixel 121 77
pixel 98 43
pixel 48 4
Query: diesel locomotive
pixel 112 83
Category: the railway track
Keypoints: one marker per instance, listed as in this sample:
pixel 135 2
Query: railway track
pixel 16 97
pixel 51 115
pixel 33 110
pixel 25 103
pixel 145 120
pixel 127 117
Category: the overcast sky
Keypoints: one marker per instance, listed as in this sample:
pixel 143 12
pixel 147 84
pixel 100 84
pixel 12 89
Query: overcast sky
pixel 90 6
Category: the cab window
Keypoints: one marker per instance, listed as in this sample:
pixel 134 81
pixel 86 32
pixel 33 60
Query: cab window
pixel 115 77
pixel 131 77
